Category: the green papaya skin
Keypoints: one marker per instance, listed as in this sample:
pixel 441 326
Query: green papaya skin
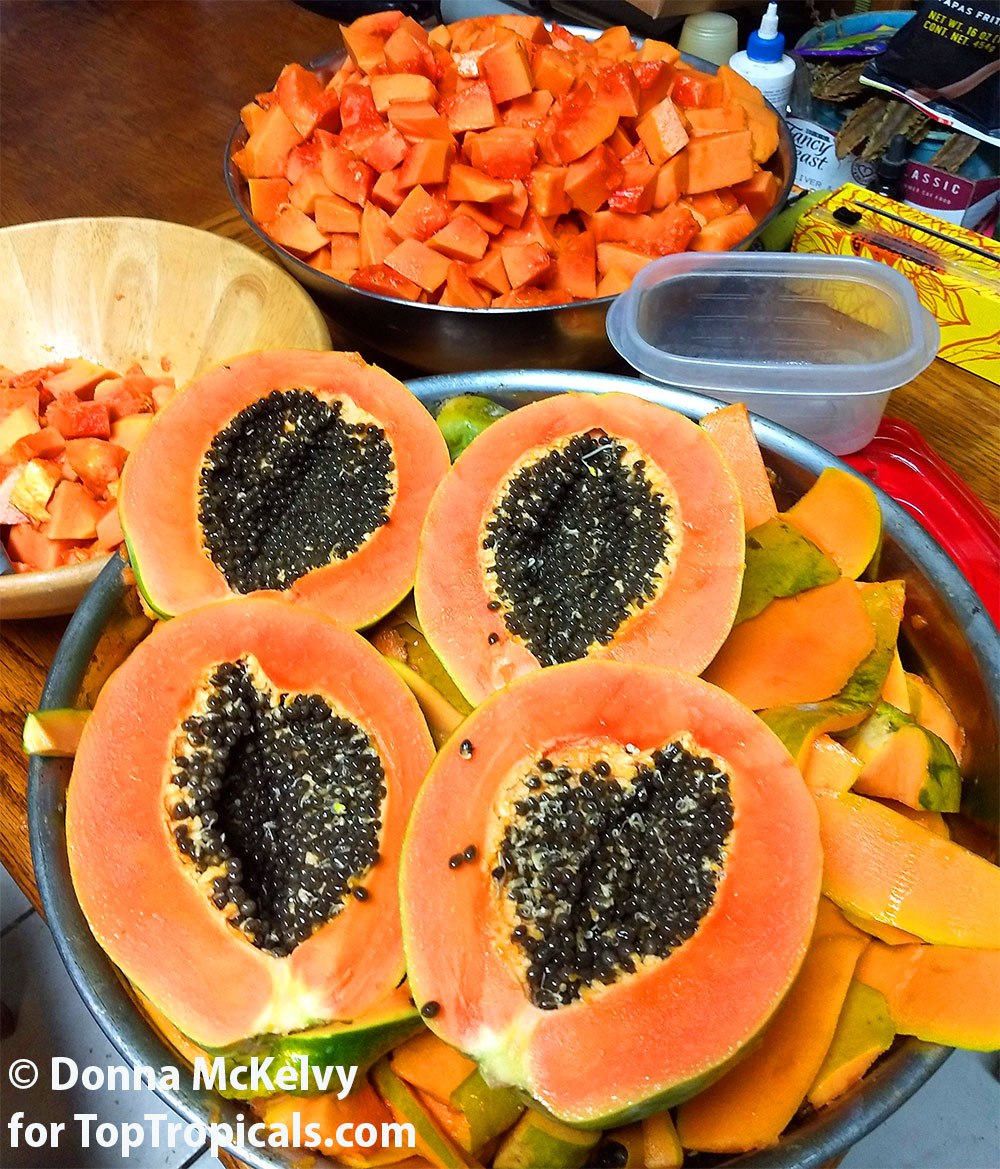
pixel 462 418
pixel 780 562
pixel 538 1140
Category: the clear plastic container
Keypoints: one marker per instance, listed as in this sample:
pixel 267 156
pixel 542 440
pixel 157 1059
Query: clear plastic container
pixel 814 342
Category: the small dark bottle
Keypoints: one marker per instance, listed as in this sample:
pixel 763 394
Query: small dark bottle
pixel 889 169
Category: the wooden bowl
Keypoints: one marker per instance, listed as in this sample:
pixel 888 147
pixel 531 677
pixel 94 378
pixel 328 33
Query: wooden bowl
pixel 120 291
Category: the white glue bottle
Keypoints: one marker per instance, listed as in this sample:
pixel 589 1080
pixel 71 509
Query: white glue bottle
pixel 764 62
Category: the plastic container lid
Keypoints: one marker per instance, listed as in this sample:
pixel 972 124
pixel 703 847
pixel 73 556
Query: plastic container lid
pixel 796 323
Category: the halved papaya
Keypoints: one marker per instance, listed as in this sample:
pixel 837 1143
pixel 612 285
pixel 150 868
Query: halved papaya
pixel 591 861
pixel 581 525
pixel 302 472
pixel 242 773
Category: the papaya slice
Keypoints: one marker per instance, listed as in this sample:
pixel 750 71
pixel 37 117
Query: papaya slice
pixel 593 525
pixel 53 733
pixel 864 1031
pixel 256 760
pixel 799 725
pixel 732 430
pixel 895 691
pixel 780 562
pixel 538 1139
pixel 943 994
pixel 556 766
pixel 461 418
pixel 786 654
pixel 903 761
pixel 881 865
pixel 830 766
pixel 300 472
pixel 841 515
pixel 931 711
pixel 733 1115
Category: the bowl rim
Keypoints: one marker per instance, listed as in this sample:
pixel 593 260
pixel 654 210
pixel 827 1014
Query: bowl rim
pixel 103 988
pixel 297 265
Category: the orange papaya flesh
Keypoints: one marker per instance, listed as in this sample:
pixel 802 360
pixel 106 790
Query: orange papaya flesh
pixel 786 654
pixel 890 934
pixel 841 515
pixel 732 430
pixel 830 766
pixel 474 613
pixel 881 865
pixel 431 1140
pixel 931 711
pixel 943 994
pixel 53 733
pixel 661 1145
pixel 745 951
pixel 780 562
pixel 363 533
pixel 932 821
pixel 195 961
pixel 864 1031
pixel 903 761
pixel 895 690
pixel 798 725
pixel 734 1115
pixel 539 1139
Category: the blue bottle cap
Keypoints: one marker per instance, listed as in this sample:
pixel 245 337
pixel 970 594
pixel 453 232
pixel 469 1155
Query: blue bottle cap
pixel 765 49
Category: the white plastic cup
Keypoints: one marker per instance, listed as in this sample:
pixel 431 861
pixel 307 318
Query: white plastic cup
pixel 713 36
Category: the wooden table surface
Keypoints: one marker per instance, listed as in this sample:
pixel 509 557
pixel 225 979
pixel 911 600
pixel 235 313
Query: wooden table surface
pixel 122 108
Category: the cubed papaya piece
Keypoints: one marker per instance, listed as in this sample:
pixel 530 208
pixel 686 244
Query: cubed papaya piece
pixel 76 419
pixel 123 398
pixel 671 181
pixel 533 229
pixel 569 42
pixel 525 263
pixel 344 255
pixel 417 120
pixel 294 230
pixel 251 115
pixel 387 151
pixel 724 233
pixel 529 110
pixel 365 38
pixel 530 297
pixel 764 131
pixel 427 164
pixel 490 272
pixel 758 194
pixel 614 43
pixel 346 176
pixel 42 443
pixel 662 131
pixel 471 108
pixel 656 79
pixel 407 50
pixel 591 180
pixel 653 50
pixel 547 191
pixel 383 279
pixel 22 393
pixel 129 432
pixel 163 391
pixel 618 88
pixel 716 120
pixel 488 223
pixel 357 106
pixel 512 210
pixel 376 240
pixel 575 267
pixel 320 260
pixel 28 546
pixel 620 144
pixel 306 156
pixel 461 239
pixel 554 72
pixel 530 28
pixel 620 256
pixel 466 183
pixel 97 463
pixel 266 195
pixel 304 192
pixel 73 513
pixel 419 216
pixel 440 34
pixel 711 204
pixel 634 195
pixel 335 215
pixel 305 101
pixel 109 529
pixel 505 152
pixel 735 87
pixel 614 282
pixel 670 230
pixel 507 69
pixel 19 423
pixel 583 124
pixel 390 87
pixel 467 64
pixel 387 192
pixel 79 376
pixel 693 89
pixel 268 147
pixel 720 161
pixel 420 263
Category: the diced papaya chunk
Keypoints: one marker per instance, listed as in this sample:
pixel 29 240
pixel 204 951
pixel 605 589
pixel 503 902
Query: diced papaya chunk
pixel 692 88
pixel 618 88
pixel 97 462
pixel 508 70
pixel 76 419
pixel 335 215
pixel 419 216
pixel 375 238
pixel 504 152
pixel 387 151
pixel 304 192
pixel 461 239
pixel 591 179
pixel 391 87
pixel 266 196
pixel 383 279
pixel 716 120
pixel 525 263
pixel 419 263
pixel 720 161
pixel 295 230
pixel 73 513
pixel 468 183
pixel 472 108
pixel 662 131
pixel 461 291
pixel 268 146
pixel 345 175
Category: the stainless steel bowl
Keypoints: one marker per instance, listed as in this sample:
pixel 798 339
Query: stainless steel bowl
pixel 441 339
pixel 946 630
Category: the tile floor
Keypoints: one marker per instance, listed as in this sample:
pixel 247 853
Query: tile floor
pixel 953 1122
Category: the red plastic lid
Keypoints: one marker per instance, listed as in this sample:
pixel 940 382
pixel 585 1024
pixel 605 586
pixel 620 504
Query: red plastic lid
pixel 900 462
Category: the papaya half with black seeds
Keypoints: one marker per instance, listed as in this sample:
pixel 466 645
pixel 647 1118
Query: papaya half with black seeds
pixel 583 525
pixel 609 881
pixel 291 471
pixel 234 821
